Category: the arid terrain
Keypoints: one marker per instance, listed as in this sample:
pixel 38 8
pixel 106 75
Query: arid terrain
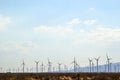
pixel 59 76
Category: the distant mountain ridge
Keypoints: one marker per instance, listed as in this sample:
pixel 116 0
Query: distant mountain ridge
pixel 113 67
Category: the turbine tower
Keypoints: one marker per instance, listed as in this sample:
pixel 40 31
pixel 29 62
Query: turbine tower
pixel 97 60
pixel 106 66
pixel 42 67
pixel 77 66
pixel 118 66
pixel 59 66
pixel 115 68
pixel 108 62
pixel 74 64
pixel 37 62
pixel 27 70
pixel 49 65
pixel 31 69
pixel 90 63
pixel 65 68
pixel 92 66
pixel 18 70
pixel 23 66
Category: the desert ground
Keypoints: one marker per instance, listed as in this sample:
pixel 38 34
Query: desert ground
pixel 59 76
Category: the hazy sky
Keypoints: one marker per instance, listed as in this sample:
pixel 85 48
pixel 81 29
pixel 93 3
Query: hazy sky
pixel 59 30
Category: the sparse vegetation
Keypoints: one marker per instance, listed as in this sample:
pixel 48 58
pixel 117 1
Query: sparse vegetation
pixel 60 76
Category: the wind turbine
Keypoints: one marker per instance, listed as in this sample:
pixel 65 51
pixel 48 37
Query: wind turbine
pixel 108 61
pixel 90 63
pixel 49 65
pixel 106 66
pixel 118 67
pixel 65 68
pixel 92 66
pixel 37 62
pixel 42 67
pixel 97 60
pixel 77 66
pixel 27 70
pixel 115 68
pixel 31 69
pixel 74 64
pixel 23 66
pixel 110 66
pixel 9 70
pixel 18 70
pixel 59 66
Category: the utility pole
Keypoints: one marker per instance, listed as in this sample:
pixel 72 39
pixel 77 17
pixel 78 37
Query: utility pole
pixel 37 62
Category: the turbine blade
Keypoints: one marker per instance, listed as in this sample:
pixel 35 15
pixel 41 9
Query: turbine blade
pixel 107 56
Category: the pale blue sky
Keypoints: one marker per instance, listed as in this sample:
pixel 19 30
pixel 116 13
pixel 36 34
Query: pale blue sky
pixel 58 30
